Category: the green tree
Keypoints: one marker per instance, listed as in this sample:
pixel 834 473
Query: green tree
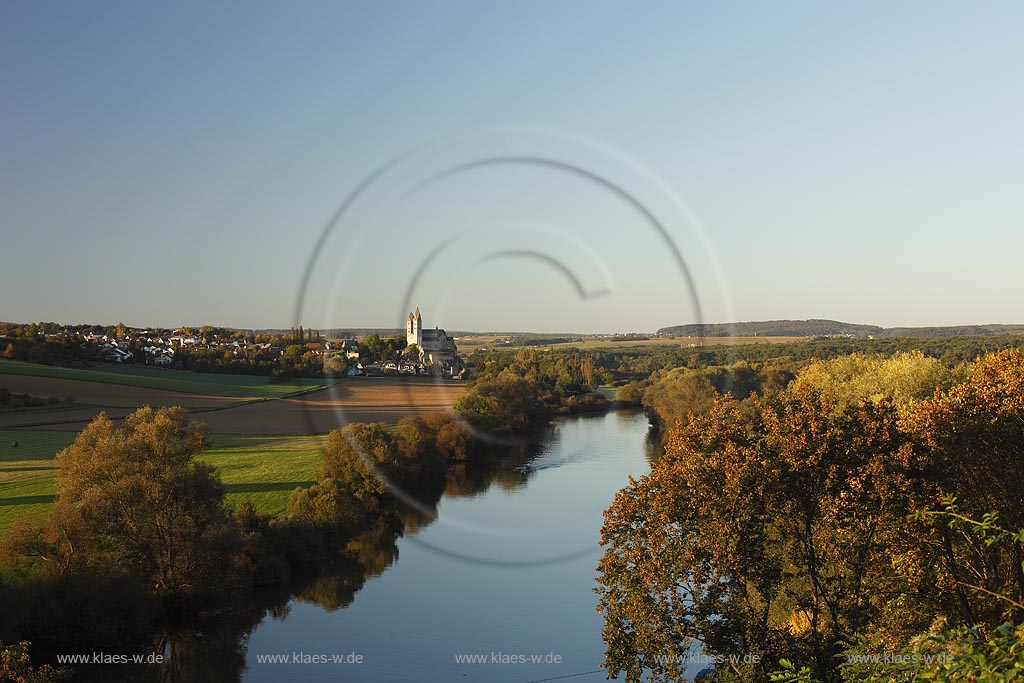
pixel 373 346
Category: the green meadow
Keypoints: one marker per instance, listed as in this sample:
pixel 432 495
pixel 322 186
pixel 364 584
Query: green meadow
pixel 263 468
pixel 211 384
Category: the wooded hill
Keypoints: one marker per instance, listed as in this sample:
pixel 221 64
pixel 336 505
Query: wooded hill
pixel 827 328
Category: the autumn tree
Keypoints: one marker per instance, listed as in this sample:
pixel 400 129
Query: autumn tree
pixel 133 500
pixel 905 378
pixel 678 396
pixel 15 667
pixel 334 365
pixel 362 464
pixel 505 405
pixel 973 438
pixel 757 532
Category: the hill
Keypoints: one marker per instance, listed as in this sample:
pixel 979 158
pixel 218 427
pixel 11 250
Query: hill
pixel 827 328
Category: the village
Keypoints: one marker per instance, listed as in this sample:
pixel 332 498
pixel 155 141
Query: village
pixel 419 352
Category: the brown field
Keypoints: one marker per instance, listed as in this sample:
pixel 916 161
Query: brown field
pixel 353 400
pixel 108 395
pixel 92 398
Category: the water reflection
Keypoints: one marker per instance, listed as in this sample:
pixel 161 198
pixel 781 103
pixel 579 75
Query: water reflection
pixel 214 649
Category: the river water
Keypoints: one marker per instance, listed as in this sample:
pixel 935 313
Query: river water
pixel 497 587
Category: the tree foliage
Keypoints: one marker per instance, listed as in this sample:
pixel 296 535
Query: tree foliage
pixel 15 667
pixel 784 525
pixel 905 378
pixel 134 500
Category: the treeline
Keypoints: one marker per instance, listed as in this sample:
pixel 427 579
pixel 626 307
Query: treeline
pixel 639 362
pixel 872 505
pixel 12 401
pixel 62 351
pixel 821 328
pixel 510 391
pixel 771 328
pixel 532 340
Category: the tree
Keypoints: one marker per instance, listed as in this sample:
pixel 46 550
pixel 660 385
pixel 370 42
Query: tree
pixel 334 365
pixel 15 667
pixel 972 437
pixel 765 531
pixel 368 458
pixel 362 456
pixel 680 395
pixel 906 378
pixel 373 345
pixel 134 500
pixel 505 405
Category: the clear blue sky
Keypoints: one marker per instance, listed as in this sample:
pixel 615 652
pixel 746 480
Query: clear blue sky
pixel 175 163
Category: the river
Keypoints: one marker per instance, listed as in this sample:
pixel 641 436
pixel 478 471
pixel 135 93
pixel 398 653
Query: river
pixel 497 587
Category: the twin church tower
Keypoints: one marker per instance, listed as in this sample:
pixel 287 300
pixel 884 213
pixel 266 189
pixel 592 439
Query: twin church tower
pixel 436 347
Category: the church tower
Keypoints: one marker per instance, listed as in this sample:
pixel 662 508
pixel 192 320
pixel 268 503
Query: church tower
pixel 414 329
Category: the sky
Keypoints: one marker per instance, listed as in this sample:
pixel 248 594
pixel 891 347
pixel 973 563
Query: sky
pixel 532 166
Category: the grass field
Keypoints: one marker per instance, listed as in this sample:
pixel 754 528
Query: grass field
pixel 263 468
pixel 27 472
pixel 209 384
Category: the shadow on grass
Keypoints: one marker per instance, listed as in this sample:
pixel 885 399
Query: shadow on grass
pixel 13 455
pixel 51 468
pixel 266 488
pixel 26 500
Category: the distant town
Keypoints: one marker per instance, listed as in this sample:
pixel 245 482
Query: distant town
pixel 298 352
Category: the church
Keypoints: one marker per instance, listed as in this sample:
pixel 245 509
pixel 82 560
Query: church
pixel 437 349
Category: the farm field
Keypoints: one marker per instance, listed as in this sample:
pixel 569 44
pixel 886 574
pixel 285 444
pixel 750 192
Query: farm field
pixel 100 393
pixel 263 447
pixel 209 384
pixel 263 468
pixel 246 405
pixel 380 399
